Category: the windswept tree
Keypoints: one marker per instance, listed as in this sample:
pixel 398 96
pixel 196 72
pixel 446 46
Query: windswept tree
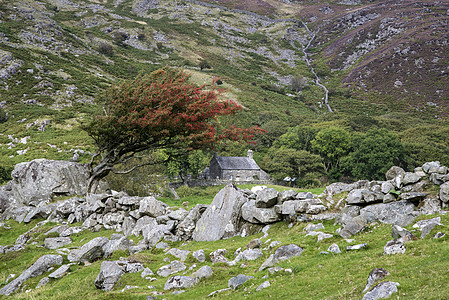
pixel 161 110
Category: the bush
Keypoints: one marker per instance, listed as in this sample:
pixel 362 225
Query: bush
pixel 297 83
pixel 120 37
pixel 5 174
pixel 106 49
pixel 204 64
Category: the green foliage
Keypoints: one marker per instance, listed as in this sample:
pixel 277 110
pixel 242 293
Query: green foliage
pixel 299 138
pixel 303 165
pixel 332 144
pixel 204 64
pixel 106 49
pixel 298 83
pixel 374 153
pixel 3 115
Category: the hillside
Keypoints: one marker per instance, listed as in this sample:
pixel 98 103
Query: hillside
pixel 381 64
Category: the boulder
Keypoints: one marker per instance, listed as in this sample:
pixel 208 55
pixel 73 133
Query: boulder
pixel 66 207
pixel 222 218
pixel 174 267
pixel 374 276
pixel 110 274
pixel 41 266
pixel 90 251
pixel 353 226
pixel 410 178
pixel 61 271
pixel 334 249
pixel 428 166
pixel 181 254
pixel 186 227
pixel 444 192
pixel 400 213
pixel 386 187
pixel 57 242
pixel 238 280
pixel 41 180
pixel 249 254
pixel 382 290
pixel 413 196
pixel 394 172
pixel 218 256
pixel 203 272
pixel 394 247
pixel 199 255
pixel 267 198
pixel 313 227
pixel 287 195
pixel 427 229
pixel 356 247
pixel 253 214
pixel 180 282
pixel 264 285
pixel 287 252
pixel 117 242
pixel 150 206
pixel 421 224
pixel 144 221
pixel 398 232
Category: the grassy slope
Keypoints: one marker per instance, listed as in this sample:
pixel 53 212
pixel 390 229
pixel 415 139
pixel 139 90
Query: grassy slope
pixel 422 271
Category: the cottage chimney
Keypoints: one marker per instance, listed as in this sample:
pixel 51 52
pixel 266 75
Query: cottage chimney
pixel 250 154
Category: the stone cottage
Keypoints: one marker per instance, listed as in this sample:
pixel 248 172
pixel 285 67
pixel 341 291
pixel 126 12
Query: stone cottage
pixel 235 168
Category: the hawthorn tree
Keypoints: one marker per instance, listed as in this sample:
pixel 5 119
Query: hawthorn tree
pixel 161 110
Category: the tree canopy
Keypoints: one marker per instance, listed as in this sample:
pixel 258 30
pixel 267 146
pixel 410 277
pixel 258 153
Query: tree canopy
pixel 161 110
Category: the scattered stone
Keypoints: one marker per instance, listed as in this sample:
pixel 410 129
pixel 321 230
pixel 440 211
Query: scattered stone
pixel 374 276
pixel 162 245
pixel 402 233
pixel 203 272
pixel 287 252
pixel 89 251
pixel 238 280
pixel 174 267
pixel 323 236
pixel 110 274
pixel 265 284
pixel 218 256
pixel 394 247
pixel 275 269
pixel 256 243
pixel 382 290
pixel 421 224
pixel 129 287
pixel 313 227
pixel 42 282
pixel 439 235
pixel 61 271
pixel 181 254
pixel 266 198
pixel 199 255
pixel 146 272
pixel 218 292
pixel 180 282
pixel 356 247
pixel 334 249
pixel 427 229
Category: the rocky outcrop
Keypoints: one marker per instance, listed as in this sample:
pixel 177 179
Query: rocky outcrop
pixel 222 218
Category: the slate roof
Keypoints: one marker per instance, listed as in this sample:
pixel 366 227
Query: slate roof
pixel 237 163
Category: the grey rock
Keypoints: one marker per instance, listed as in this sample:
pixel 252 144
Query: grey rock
pixel 58 229
pixel 61 271
pixel 146 272
pixel 71 230
pixel 218 292
pixel 144 221
pixel 162 245
pixel 264 285
pixel 186 227
pixel 334 249
pixel 316 209
pixel 287 252
pixel 374 276
pixel 356 247
pixel 128 201
pixel 249 254
pixel 397 232
pixel 269 262
pixel 275 269
pixel 110 274
pixel 152 207
pixel 42 282
pixel 413 196
pixel 421 224
pixel 129 224
pixel 218 256
pixel 253 214
pixel 267 198
pixel 39 212
pixel 238 280
pixel 400 213
pixel 388 198
pixel 256 243
pixel 131 267
pixel 352 227
pixel 439 235
pixel 221 218
pixel 57 242
pixel 382 290
pixel 41 265
pixel 19 214
pixel 323 236
pixel 180 282
pixel 199 255
pixel 90 251
pixel 203 272
pixel 42 179
pixel 444 192
pixel 178 214
pixel 394 172
pixel 386 187
pixel 153 234
pixel 181 254
pixel 287 195
pixel 427 229
pixel 115 244
pixel 174 267
pixel 430 205
pixel 431 165
pixel 394 247
pixel 410 178
pixel 313 227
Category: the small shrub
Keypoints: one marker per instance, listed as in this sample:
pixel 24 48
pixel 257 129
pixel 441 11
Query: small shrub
pixel 106 49
pixel 297 83
pixel 120 37
pixel 204 64
pixel 141 36
pixel 3 116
